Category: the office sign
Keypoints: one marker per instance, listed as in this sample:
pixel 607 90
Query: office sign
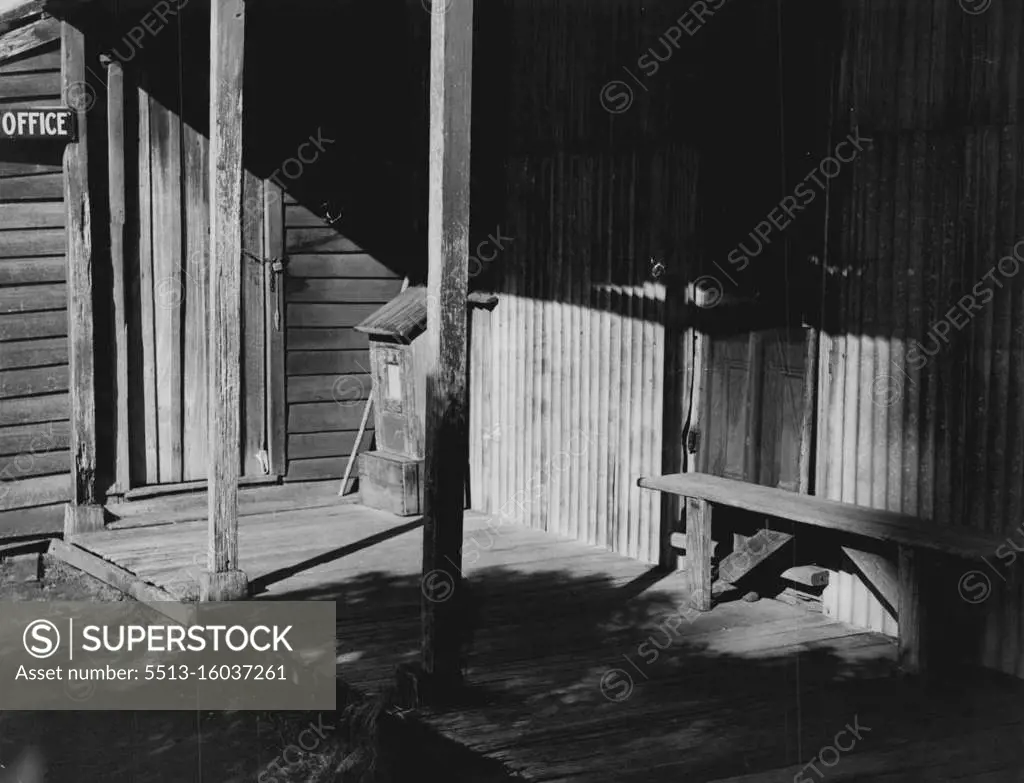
pixel 50 124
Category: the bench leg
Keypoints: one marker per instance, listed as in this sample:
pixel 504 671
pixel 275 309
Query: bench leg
pixel 912 617
pixel 698 552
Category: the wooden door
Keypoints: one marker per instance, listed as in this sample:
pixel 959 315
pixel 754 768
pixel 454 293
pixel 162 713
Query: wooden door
pixel 754 407
pixel 168 395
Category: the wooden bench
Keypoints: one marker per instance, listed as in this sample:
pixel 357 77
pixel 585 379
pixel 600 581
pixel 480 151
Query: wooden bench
pixel 915 539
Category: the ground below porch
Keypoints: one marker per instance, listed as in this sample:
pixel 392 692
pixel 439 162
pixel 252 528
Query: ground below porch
pixel 586 666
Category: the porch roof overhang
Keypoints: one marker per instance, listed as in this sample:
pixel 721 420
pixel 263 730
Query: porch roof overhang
pixel 14 10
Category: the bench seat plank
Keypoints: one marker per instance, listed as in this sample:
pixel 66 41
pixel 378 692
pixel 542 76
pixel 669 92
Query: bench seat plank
pixel 830 514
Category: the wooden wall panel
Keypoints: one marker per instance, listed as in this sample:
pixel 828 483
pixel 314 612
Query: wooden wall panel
pixel 34 430
pixel 330 286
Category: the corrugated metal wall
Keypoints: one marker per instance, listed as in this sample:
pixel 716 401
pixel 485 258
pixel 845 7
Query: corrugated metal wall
pixel 568 372
pixel 922 399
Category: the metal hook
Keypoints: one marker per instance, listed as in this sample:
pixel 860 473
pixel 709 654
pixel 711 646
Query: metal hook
pixel 331 219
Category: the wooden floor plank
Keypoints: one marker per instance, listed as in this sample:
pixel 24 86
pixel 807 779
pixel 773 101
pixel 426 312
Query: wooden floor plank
pixel 746 692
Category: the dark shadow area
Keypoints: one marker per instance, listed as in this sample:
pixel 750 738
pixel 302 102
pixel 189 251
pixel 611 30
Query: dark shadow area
pixel 261 584
pixel 709 698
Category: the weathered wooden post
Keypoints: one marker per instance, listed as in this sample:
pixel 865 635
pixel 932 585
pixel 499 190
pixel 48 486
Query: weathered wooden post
pixel 84 513
pixel 446 443
pixel 223 580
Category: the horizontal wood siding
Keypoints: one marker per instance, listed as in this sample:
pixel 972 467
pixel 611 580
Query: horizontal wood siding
pixel 34 429
pixel 330 286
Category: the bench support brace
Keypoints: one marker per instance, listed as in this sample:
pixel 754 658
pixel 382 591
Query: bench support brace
pixel 698 552
pixel 912 615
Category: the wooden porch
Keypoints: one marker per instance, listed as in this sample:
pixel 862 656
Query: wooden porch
pixel 747 691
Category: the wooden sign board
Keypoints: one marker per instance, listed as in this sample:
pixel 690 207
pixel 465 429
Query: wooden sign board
pixel 48 124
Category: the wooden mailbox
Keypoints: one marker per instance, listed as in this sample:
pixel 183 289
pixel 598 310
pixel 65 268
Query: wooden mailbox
pixel 391 476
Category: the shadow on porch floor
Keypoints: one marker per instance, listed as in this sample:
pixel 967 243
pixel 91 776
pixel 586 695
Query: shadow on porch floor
pixel 583 667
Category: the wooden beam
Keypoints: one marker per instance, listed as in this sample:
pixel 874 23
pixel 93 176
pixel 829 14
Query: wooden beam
pixel 698 552
pixel 891 526
pixel 223 580
pixel 83 514
pixel 807 575
pixel 121 579
pixel 751 553
pixel 446 445
pixel 913 626
pixel 13 10
pixel 880 575
pixel 117 200
pixel 31 36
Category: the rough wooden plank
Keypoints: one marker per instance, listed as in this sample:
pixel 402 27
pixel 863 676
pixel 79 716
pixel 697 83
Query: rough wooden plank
pixel 327 315
pixel 323 416
pixel 196 215
pixel 223 580
pixel 807 575
pixel 13 10
pixel 324 362
pixel 342 291
pixel 321 444
pixel 49 214
pixel 751 553
pixel 48 59
pixel 913 610
pixel 18 271
pixel 31 86
pixel 33 298
pixel 342 389
pixel 699 549
pixel 35 380
pixel 32 242
pixel 26 410
pixel 10 169
pixel 169 285
pixel 36 491
pixel 880 574
pixel 276 372
pixel 83 514
pixel 338 266
pixel 318 468
pixel 35 438
pixel 28 326
pixel 812 510
pixel 327 340
pixel 39 520
pixel 146 303
pixel 319 240
pixel 78 556
pixel 48 463
pixel 33 188
pixel 29 37
pixel 117 200
pixel 446 447
pixel 34 353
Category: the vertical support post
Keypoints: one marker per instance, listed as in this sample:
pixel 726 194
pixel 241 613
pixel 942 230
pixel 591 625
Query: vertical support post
pixel 118 197
pixel 913 620
pixel 223 580
pixel 83 514
pixel 446 445
pixel 698 552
